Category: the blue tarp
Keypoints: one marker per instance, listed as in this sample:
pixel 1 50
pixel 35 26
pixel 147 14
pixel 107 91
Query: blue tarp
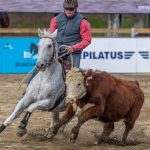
pixel 17 55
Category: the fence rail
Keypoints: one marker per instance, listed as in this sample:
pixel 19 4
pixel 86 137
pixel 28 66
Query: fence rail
pixel 94 30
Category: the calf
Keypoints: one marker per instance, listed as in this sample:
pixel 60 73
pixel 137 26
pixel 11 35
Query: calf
pixel 111 99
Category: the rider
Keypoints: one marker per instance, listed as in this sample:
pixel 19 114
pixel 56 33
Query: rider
pixel 72 30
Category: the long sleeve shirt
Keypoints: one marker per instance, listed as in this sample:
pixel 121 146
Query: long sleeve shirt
pixel 85 32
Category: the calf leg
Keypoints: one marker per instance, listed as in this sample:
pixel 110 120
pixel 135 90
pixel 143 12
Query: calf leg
pixel 130 121
pixel 22 104
pixel 68 114
pixel 90 113
pixel 128 127
pixel 107 129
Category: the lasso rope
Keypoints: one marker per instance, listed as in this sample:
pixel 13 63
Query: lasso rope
pixel 25 78
pixel 65 49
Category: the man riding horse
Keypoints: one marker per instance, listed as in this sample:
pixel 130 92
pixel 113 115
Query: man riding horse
pixel 72 30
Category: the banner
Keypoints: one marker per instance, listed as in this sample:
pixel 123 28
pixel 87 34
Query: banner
pixel 118 55
pixel 115 55
pixel 18 55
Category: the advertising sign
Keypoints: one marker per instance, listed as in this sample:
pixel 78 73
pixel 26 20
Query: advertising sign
pixel 115 55
pixel 110 54
pixel 143 52
pixel 118 55
pixel 18 55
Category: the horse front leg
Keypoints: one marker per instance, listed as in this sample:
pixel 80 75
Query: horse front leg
pixel 55 120
pixel 22 104
pixel 21 130
pixel 67 116
pixel 40 105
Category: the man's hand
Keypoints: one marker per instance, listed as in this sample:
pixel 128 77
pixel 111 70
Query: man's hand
pixel 70 49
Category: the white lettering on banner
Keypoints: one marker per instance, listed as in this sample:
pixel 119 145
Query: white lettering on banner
pixel 27 54
pixel 118 55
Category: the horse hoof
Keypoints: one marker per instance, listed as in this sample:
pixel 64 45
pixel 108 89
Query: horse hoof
pixel 21 132
pixel 49 135
pixel 2 127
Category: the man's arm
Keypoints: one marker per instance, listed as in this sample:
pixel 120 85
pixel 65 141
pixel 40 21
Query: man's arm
pixel 53 25
pixel 86 36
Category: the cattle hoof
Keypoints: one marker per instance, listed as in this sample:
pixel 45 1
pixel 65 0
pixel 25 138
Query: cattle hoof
pixel 21 131
pixel 73 138
pixel 123 142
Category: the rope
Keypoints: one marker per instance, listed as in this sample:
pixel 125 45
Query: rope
pixel 71 55
pixel 63 54
pixel 26 76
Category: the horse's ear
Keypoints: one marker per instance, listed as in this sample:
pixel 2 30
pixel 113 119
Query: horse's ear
pixel 40 32
pixel 44 31
pixel 54 34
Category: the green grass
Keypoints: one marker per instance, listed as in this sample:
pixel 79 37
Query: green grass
pixel 97 21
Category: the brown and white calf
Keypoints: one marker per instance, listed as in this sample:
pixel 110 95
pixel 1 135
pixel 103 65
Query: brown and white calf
pixel 109 99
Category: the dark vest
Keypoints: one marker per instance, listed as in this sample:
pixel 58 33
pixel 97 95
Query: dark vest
pixel 68 29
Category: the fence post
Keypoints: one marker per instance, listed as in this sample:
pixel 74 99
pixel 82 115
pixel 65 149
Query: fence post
pixel 132 32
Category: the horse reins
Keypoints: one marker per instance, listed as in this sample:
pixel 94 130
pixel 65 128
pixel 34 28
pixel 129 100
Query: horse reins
pixel 53 58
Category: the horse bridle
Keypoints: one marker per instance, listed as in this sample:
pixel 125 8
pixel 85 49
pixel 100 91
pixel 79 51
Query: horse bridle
pixel 52 59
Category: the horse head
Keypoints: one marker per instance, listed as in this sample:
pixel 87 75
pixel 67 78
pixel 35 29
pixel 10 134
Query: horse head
pixel 47 49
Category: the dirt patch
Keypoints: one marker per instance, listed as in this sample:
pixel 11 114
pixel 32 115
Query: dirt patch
pixel 139 137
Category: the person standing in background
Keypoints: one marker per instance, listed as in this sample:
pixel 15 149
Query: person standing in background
pixel 4 20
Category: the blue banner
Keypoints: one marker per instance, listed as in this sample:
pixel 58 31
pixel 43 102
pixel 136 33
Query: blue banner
pixel 17 54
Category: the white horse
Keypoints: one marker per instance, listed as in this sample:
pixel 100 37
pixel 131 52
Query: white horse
pixel 46 89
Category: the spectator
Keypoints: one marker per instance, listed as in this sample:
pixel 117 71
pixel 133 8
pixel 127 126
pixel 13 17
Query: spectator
pixel 4 20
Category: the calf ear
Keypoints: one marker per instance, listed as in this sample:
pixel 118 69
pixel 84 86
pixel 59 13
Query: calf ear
pixel 87 80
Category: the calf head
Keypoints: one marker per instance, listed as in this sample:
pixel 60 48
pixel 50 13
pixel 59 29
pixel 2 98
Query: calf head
pixel 75 84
